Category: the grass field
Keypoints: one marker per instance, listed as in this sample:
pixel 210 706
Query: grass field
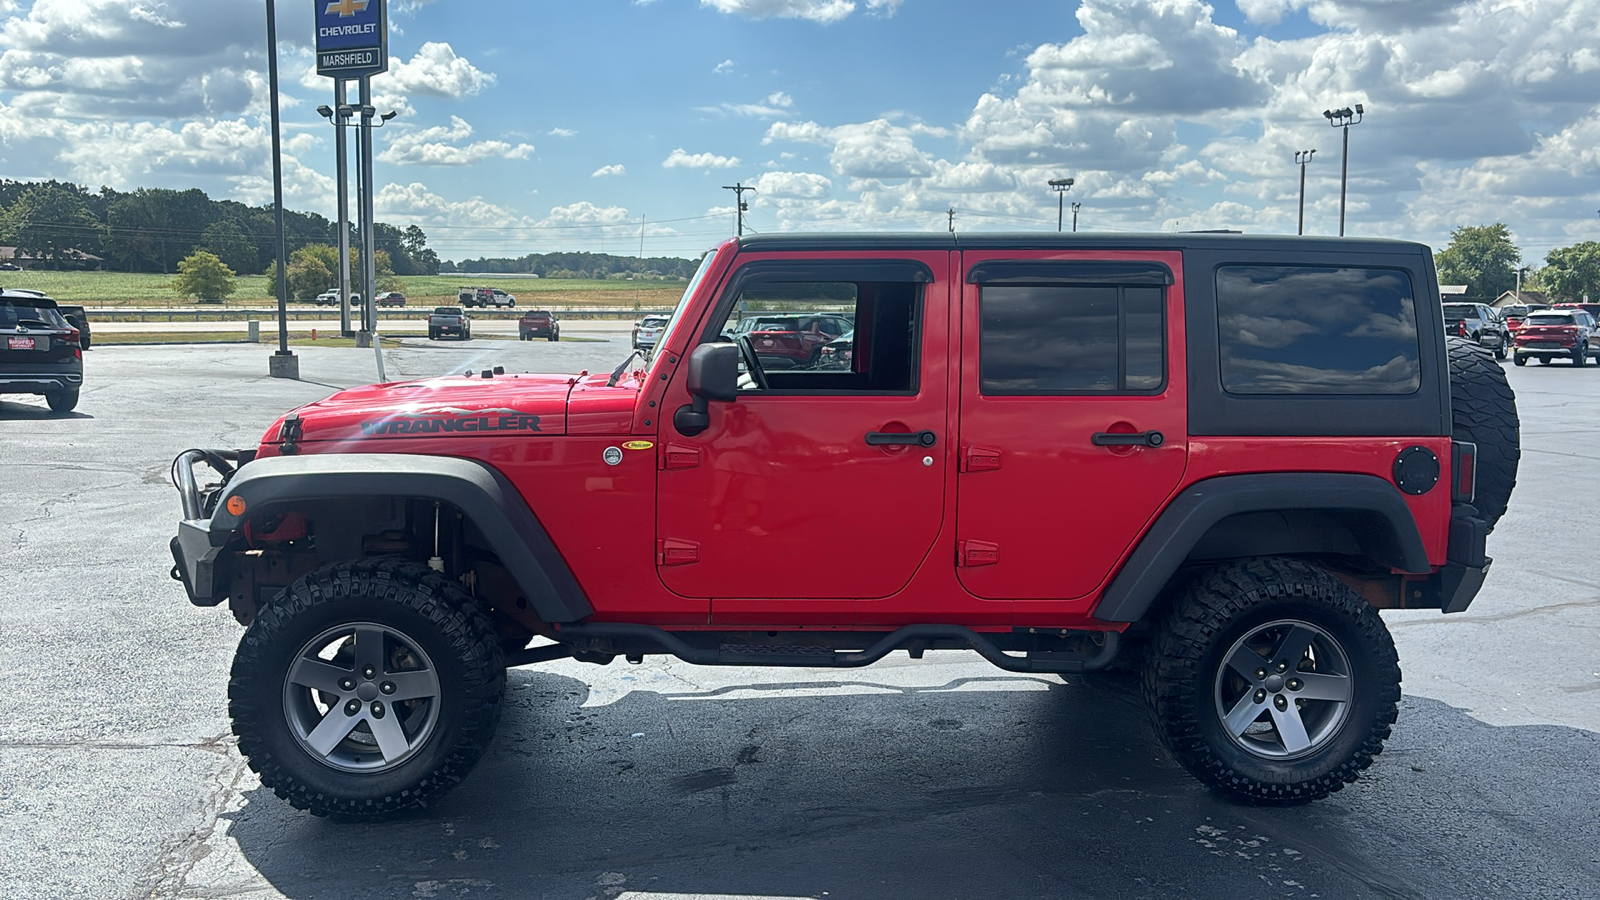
pixel 114 289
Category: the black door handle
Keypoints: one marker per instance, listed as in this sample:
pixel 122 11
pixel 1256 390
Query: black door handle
pixel 1139 439
pixel 901 438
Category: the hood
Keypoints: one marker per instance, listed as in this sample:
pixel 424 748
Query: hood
pixel 457 406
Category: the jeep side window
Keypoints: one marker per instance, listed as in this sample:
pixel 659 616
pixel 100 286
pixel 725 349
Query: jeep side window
pixel 1071 339
pixel 828 336
pixel 1317 330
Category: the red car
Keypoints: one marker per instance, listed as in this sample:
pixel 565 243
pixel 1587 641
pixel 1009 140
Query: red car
pixel 792 341
pixel 1047 449
pixel 1549 334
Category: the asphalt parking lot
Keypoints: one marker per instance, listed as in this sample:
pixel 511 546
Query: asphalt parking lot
pixel 937 778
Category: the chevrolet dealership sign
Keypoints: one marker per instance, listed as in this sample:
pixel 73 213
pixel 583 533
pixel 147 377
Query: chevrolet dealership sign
pixel 352 37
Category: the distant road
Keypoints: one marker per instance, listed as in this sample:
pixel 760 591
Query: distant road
pixel 611 329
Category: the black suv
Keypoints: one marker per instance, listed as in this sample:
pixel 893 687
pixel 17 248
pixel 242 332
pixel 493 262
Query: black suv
pixel 1479 324
pixel 39 350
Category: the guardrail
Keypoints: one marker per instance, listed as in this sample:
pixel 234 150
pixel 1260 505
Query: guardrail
pixel 323 313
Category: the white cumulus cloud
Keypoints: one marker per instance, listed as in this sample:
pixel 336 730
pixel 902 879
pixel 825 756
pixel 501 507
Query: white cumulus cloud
pixel 682 159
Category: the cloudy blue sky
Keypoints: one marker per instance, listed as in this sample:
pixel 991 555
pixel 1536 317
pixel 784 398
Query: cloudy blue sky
pixel 537 125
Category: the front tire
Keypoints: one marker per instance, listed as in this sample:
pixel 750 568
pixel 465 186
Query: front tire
pixel 1272 680
pixel 365 689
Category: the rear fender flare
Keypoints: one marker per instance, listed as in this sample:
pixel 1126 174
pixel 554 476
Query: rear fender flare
pixel 1181 526
pixel 480 492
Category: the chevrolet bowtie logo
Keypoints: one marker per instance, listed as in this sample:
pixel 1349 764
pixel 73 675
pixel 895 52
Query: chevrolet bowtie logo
pixel 346 8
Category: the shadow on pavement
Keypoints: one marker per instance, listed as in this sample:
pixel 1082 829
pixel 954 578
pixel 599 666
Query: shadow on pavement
pixel 13 411
pixel 930 793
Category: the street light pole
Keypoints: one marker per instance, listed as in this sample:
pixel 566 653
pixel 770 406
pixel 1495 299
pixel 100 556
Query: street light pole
pixel 1344 118
pixel 1075 206
pixel 1301 157
pixel 1061 186
pixel 282 364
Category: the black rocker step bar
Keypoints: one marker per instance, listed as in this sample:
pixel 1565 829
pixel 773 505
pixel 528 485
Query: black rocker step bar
pixel 601 642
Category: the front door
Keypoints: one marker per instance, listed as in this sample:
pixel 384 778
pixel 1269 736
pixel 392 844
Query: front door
pixel 798 490
pixel 1073 419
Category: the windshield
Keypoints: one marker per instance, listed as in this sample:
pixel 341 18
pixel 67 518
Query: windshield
pixel 676 318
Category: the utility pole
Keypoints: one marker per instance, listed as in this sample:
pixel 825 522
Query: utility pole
pixel 952 213
pixel 1075 207
pixel 1301 157
pixel 282 364
pixel 1344 118
pixel 1061 186
pixel 740 207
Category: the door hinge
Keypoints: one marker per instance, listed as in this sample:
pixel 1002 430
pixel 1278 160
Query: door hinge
pixel 980 459
pixel 677 456
pixel 978 553
pixel 670 552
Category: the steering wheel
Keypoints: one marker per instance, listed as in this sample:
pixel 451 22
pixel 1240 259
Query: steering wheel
pixel 752 366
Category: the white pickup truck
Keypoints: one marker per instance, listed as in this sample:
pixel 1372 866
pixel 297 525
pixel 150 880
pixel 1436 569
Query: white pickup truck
pixel 449 320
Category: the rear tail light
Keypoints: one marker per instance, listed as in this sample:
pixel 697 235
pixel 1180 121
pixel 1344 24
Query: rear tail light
pixel 1463 471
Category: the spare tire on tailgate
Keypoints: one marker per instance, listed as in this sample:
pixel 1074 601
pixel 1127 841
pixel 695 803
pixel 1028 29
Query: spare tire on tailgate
pixel 1484 411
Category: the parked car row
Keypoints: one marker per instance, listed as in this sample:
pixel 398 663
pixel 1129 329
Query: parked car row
pixel 790 341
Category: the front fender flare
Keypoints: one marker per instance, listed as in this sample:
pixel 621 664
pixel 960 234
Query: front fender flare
pixel 481 492
pixel 1186 520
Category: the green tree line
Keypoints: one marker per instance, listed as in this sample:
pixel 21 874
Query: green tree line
pixel 580 265
pixel 154 229
pixel 1485 258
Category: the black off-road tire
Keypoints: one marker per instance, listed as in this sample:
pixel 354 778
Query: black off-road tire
pixel 1483 410
pixel 428 608
pixel 1220 607
pixel 62 401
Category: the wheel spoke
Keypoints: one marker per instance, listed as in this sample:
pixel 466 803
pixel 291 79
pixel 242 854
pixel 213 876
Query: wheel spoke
pixel 1246 662
pixel 330 731
pixel 391 737
pixel 1325 687
pixel 317 674
pixel 1243 713
pixel 413 685
pixel 1291 730
pixel 1294 645
pixel 369 649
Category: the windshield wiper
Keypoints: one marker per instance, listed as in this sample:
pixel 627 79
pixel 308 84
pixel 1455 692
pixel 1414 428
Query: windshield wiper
pixel 617 374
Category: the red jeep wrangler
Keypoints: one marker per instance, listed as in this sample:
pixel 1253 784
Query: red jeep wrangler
pixel 1216 457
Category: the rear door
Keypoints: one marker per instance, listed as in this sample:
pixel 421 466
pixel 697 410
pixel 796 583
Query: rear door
pixel 1072 416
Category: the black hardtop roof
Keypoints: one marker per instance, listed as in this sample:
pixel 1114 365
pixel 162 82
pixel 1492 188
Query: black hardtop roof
pixel 933 240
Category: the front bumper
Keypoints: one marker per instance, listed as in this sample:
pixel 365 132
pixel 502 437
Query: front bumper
pixel 196 548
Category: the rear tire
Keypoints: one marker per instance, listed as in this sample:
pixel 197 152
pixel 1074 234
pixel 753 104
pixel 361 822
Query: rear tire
pixel 1483 410
pixel 426 640
pixel 62 401
pixel 1222 676
pixel 1580 356
pixel 1519 359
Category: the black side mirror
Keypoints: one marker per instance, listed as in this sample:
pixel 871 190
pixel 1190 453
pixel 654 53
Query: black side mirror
pixel 713 375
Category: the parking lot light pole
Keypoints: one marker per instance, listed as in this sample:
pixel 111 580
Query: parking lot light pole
pixel 1075 207
pixel 1301 157
pixel 338 114
pixel 1344 118
pixel 1061 186
pixel 282 364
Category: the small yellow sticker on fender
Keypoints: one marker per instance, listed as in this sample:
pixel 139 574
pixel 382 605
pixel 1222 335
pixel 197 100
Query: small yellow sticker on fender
pixel 638 445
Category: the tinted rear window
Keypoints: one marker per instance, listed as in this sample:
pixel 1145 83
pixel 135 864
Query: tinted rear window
pixel 15 312
pixel 1316 330
pixel 1548 319
pixel 447 310
pixel 1454 313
